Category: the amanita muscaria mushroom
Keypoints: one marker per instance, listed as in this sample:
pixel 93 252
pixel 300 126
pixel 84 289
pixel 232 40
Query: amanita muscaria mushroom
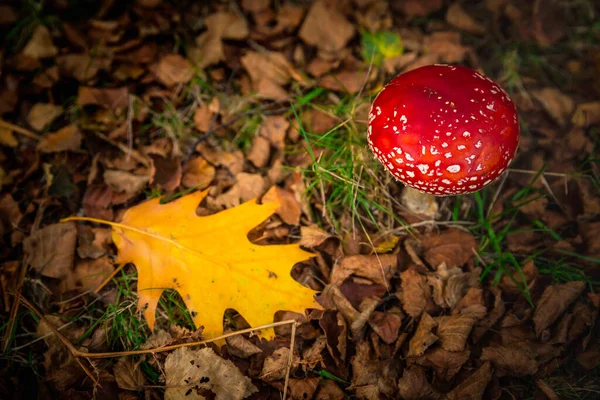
pixel 444 129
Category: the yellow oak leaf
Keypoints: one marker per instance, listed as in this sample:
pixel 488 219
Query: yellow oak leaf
pixel 209 261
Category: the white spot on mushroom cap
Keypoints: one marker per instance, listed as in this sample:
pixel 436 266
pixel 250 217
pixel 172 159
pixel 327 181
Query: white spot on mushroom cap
pixel 403 119
pixel 423 168
pixel 461 147
pixel 478 144
pixel 410 173
pixel 453 168
pixel 408 157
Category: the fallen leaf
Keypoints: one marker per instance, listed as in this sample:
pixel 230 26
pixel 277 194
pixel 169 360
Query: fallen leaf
pixel 364 367
pixel 446 46
pixel 203 117
pixel 42 115
pixel 82 67
pixel 40 45
pixel 241 347
pixel 274 128
pixel 198 173
pixel 191 373
pixel 386 325
pixel 7 138
pixel 472 304
pixel 268 71
pixel 220 25
pixel 318 121
pixel 312 236
pixel 65 139
pixel 51 250
pixel 109 98
pixel 458 17
pixel 260 152
pixel 415 292
pixel 289 208
pixel 303 388
pixel 326 28
pixel 275 366
pixel 554 302
pixel 89 274
pixel 122 181
pixel 423 337
pixel 446 364
pixel 414 385
pixel 510 361
pixel 557 104
pixel 548 21
pixel 376 268
pixel 127 375
pixel 453 247
pixel 453 331
pixel 336 335
pixel 419 8
pixel 586 114
pixel 474 386
pixel 168 172
pixel 211 254
pixel 173 69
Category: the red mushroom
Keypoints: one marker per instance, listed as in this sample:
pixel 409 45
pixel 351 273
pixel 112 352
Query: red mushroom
pixel 444 129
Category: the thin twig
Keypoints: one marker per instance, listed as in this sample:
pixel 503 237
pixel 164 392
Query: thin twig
pixel 290 360
pixel 109 278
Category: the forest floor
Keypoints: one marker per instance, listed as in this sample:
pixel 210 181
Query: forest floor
pixel 105 105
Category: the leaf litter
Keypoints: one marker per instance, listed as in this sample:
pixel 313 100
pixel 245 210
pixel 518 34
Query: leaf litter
pixel 174 121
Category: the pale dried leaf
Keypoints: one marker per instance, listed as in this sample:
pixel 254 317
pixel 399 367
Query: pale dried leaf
pixel 173 69
pixel 376 268
pixel 198 173
pixel 42 114
pixel 511 361
pixel 275 366
pixel 187 370
pixel 122 181
pixel 326 28
pixel 65 139
pixel 51 250
pixel 453 331
pixel 414 385
pixel 127 375
pixel 474 386
pixel 40 45
pixel 423 337
pixel 415 292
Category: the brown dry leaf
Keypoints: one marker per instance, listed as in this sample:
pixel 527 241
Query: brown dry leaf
pixel 326 28
pixel 313 355
pixel 453 331
pixel 288 209
pixel 474 386
pixel 446 364
pixel 305 388
pixel 548 21
pixel 65 139
pixel 251 186
pixel 203 117
pixel 313 236
pixel 82 66
pixel 51 250
pixel 557 104
pixel 423 337
pixel 122 181
pixel 318 121
pixel 472 304
pixel 268 71
pixel 414 385
pixel 458 284
pixel 415 292
pixel 453 247
pixel 510 361
pixel 189 372
pixel 198 173
pixel 40 45
pixel 554 302
pixel 173 70
pixel 7 138
pixel 128 375
pixel 260 152
pixel 376 268
pixel 241 347
pixel 115 98
pixel 42 115
pixel 336 334
pixel 419 8
pixel 273 128
pixel 458 17
pixel 586 114
pixel 350 78
pixel 418 202
pixel 446 46
pixel 221 25
pixel 364 367
pixel 275 366
pixel 167 172
pixel 89 274
pixel 386 325
pixel 530 272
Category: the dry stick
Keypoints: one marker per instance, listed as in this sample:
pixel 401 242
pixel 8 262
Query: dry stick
pixel 290 360
pixel 76 353
pixel 20 130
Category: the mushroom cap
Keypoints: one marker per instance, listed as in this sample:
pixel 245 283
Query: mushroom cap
pixel 444 129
